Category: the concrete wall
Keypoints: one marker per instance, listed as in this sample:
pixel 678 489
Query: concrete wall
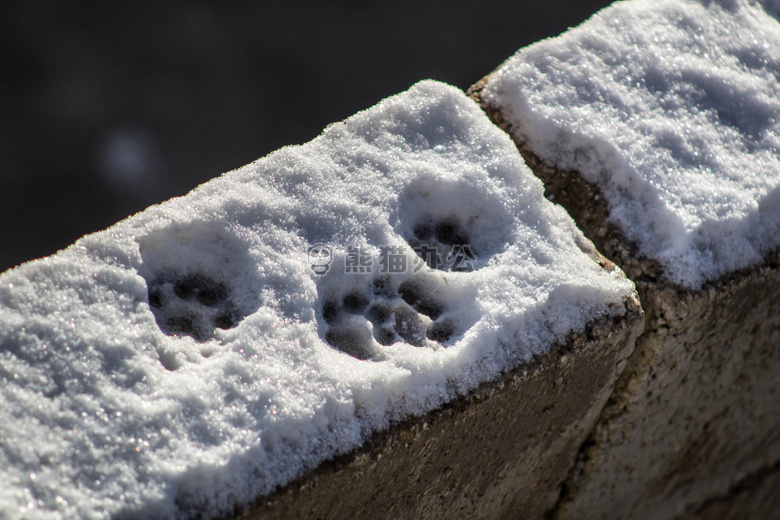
pixel 696 413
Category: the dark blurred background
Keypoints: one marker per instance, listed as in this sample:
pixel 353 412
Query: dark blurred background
pixel 108 107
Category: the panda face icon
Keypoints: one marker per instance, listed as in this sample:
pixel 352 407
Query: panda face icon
pixel 320 257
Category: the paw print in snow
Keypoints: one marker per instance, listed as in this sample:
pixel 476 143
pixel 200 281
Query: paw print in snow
pixel 412 313
pixel 192 305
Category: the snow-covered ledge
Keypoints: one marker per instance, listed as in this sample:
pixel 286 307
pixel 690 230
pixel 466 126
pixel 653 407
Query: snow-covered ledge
pixel 657 125
pixel 401 273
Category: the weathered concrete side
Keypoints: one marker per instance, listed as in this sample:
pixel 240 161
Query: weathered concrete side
pixel 502 452
pixel 698 406
pixel 754 497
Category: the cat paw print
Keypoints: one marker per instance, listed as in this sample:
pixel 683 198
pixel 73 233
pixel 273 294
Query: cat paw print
pixel 454 230
pixel 200 279
pixel 192 305
pixel 362 321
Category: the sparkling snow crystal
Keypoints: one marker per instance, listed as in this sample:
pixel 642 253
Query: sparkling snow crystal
pixel 214 347
pixel 673 109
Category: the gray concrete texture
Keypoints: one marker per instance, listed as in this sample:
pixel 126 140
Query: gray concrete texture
pixel 754 497
pixel 696 413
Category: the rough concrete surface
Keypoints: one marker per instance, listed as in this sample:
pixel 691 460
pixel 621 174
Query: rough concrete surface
pixel 501 452
pixel 754 497
pixel 698 407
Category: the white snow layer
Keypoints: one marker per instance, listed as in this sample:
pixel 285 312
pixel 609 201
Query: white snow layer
pixel 673 109
pixel 176 364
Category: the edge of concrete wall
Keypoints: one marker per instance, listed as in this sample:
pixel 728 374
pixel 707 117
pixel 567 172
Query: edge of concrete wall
pixel 502 451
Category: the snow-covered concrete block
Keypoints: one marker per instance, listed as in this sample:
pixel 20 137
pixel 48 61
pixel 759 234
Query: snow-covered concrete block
pixel 657 125
pixel 402 272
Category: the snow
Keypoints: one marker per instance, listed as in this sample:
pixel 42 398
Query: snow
pixel 176 364
pixel 673 109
